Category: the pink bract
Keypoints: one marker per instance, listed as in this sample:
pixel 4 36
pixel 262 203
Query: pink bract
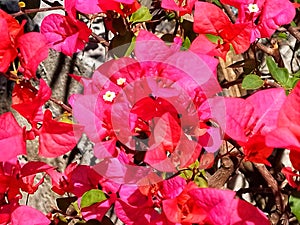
pixel 65 34
pixel 286 134
pixel 24 215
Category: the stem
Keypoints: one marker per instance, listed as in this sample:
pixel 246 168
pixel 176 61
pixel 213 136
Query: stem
pixel 28 11
pixel 60 103
pixel 229 13
pixel 101 40
pixel 27 199
pixel 272 52
pixel 272 183
pixel 294 31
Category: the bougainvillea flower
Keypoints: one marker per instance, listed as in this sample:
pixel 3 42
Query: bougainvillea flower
pixel 55 137
pixel 266 105
pixel 182 209
pixel 15 178
pixel 286 134
pixel 265 16
pixel 76 179
pixel 214 21
pixel 12 38
pixel 10 31
pixel 174 201
pixel 11 137
pixel 28 102
pixel 65 34
pixel 182 6
pixel 31 53
pixel 146 106
pixel 147 201
pixel 249 121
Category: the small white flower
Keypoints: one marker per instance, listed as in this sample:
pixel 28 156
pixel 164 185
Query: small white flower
pixel 121 81
pixel 109 96
pixel 253 8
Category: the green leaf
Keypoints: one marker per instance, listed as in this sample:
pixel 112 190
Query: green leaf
pixel 291 83
pixel 201 182
pixel 297 74
pixel 252 82
pixel 295 206
pixel 141 15
pixel 131 47
pixel 217 2
pixel 91 197
pixel 214 39
pixel 281 75
pixel 186 44
pixel 283 35
pixel 293 24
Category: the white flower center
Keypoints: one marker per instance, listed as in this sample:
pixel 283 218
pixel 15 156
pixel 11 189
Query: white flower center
pixel 109 96
pixel 253 8
pixel 121 81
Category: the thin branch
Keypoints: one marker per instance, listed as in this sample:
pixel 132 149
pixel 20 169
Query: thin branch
pixel 61 104
pixel 229 13
pixel 272 183
pixel 100 39
pixel 294 31
pixel 272 52
pixel 28 11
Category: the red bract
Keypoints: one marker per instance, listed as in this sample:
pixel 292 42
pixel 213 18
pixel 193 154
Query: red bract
pixel 65 34
pixel 28 101
pixel 55 138
pixel 210 19
pixel 123 7
pixel 31 53
pixel 15 178
pixel 11 137
pixel 182 6
pixel 147 201
pixel 76 179
pixel 6 210
pixel 292 177
pixel 182 209
pixel 265 16
pixel 10 31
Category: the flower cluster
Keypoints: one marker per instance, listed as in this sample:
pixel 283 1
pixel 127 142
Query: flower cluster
pixel 155 113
